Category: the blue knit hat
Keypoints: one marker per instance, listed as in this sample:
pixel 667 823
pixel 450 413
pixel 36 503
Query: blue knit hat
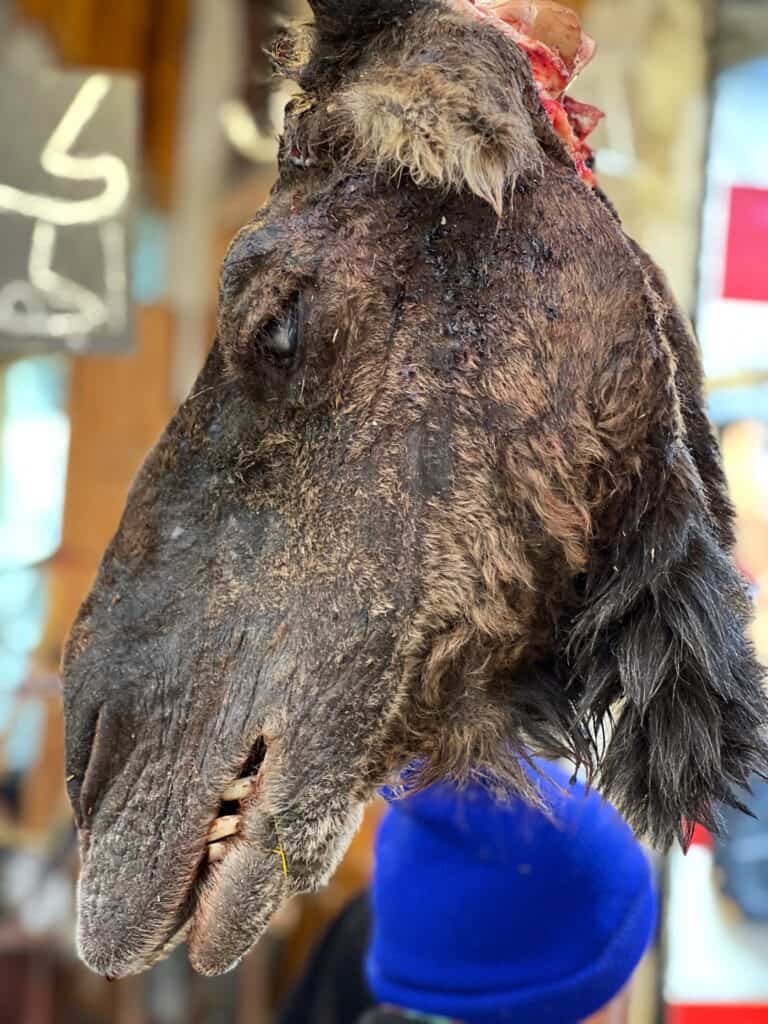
pixel 491 912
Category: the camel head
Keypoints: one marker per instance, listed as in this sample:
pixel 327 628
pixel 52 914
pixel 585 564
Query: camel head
pixel 444 495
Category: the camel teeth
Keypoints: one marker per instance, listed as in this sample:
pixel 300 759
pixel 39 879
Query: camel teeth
pixel 223 827
pixel 239 789
pixel 216 852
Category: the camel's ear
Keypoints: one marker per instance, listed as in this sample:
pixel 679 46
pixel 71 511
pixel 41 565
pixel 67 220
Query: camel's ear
pixel 458 131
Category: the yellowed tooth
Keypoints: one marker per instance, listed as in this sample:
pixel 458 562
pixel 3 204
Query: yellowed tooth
pixel 223 827
pixel 217 851
pixel 239 789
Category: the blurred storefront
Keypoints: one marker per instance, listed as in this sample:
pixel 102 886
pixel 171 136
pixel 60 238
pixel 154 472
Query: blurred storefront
pixel 683 153
pixel 717 922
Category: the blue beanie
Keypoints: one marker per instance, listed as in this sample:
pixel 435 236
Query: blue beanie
pixel 491 912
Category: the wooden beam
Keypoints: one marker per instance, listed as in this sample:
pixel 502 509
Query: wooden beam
pixel 117 406
pixel 145 37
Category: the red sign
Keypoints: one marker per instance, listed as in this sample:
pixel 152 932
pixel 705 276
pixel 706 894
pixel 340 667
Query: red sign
pixel 717 1015
pixel 746 265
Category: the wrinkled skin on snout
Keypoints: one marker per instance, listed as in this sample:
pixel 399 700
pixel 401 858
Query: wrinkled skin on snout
pixel 255 592
pixel 444 493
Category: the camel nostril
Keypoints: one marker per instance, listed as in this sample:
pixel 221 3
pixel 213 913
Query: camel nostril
pixel 81 745
pixel 103 763
pixel 88 789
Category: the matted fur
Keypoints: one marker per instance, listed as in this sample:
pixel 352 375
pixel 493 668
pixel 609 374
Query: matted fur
pixel 444 131
pixel 403 112
pixel 478 513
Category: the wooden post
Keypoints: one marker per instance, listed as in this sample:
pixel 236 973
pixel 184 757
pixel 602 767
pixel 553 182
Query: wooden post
pixel 118 406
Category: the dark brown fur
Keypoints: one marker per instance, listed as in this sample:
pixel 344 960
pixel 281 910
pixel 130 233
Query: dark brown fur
pixel 479 513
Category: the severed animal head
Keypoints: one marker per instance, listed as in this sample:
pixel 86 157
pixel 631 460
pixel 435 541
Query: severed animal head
pixel 444 494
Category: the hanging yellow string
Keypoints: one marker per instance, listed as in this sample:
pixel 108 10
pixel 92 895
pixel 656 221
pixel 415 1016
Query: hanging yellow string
pixel 280 851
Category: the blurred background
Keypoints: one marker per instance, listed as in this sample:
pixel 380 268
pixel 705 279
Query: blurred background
pixel 106 311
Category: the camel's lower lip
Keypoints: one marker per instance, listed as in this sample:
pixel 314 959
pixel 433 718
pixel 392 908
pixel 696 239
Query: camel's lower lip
pixel 235 902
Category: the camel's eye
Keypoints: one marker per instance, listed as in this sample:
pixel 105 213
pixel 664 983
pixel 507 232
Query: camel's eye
pixel 280 337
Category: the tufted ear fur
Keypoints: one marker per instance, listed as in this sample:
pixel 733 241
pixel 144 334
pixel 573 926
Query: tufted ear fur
pixel 462 122
pixel 663 632
pixel 660 641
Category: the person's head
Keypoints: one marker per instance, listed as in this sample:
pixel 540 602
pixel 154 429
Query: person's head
pixel 487 910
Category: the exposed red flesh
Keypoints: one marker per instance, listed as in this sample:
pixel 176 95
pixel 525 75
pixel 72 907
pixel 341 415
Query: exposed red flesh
pixel 557 48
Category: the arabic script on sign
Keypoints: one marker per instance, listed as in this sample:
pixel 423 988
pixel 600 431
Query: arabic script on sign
pixel 64 280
